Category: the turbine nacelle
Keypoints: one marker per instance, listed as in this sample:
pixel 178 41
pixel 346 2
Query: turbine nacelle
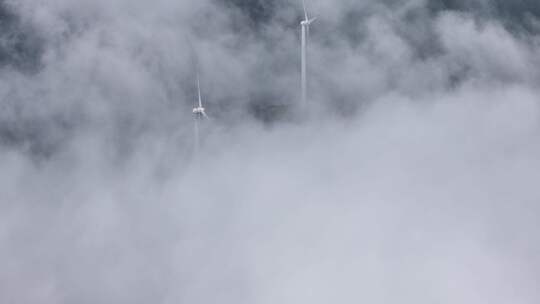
pixel 199 111
pixel 308 22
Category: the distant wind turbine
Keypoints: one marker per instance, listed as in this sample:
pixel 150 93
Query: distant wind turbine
pixel 305 35
pixel 199 114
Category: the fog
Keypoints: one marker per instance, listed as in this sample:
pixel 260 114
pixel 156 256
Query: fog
pixel 411 178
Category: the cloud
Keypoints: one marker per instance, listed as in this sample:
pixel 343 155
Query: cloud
pixel 411 179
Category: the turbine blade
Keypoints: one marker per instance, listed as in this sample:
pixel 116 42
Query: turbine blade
pixel 305 10
pixel 199 90
pixel 312 19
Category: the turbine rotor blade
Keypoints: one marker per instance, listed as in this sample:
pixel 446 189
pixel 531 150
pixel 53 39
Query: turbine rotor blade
pixel 199 90
pixel 305 10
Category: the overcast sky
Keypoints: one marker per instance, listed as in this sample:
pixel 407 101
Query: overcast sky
pixel 411 178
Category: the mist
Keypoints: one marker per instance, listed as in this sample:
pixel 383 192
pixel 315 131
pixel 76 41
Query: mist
pixel 411 178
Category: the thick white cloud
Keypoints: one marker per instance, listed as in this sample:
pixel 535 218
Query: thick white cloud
pixel 412 180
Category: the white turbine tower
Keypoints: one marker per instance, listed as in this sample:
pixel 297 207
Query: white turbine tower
pixel 199 114
pixel 305 35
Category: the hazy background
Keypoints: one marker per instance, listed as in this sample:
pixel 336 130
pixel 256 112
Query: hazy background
pixel 412 178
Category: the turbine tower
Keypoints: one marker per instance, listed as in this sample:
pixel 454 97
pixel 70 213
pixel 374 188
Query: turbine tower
pixel 199 114
pixel 305 35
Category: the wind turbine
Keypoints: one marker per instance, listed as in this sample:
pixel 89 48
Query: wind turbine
pixel 199 114
pixel 305 35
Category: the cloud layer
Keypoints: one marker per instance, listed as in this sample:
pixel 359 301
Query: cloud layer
pixel 411 179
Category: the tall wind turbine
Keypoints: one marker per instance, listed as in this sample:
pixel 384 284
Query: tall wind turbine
pixel 305 35
pixel 199 114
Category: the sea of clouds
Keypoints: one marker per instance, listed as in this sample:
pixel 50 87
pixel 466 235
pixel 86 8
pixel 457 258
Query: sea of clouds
pixel 412 177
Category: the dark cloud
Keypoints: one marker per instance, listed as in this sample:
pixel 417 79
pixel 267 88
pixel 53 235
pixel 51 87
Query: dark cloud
pixel 517 15
pixel 20 47
pixel 258 11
